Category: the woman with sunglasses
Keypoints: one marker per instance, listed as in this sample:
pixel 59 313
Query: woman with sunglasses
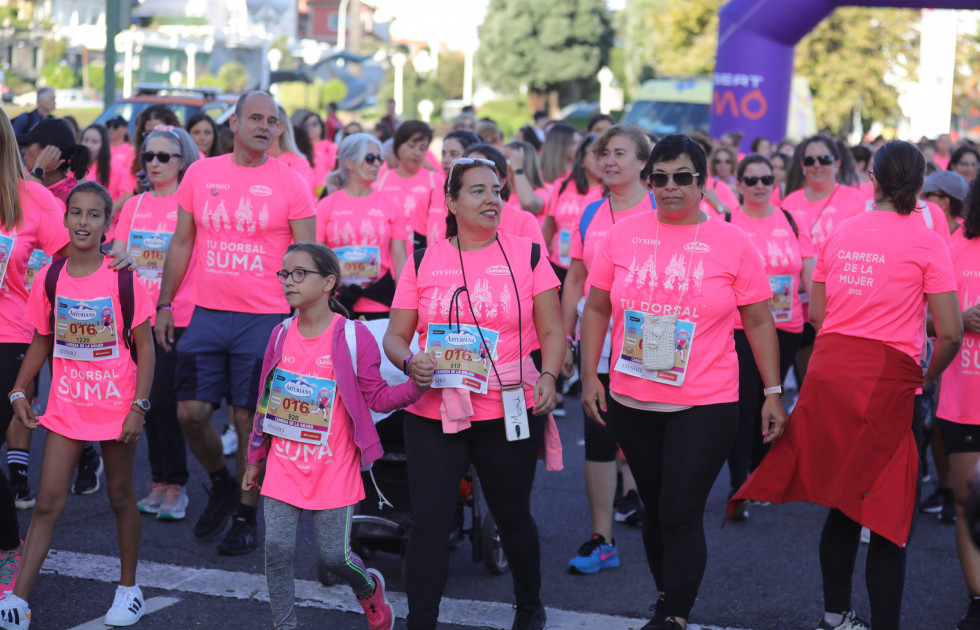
pixel 620 155
pixel 145 226
pixel 965 161
pixel 673 282
pixel 364 228
pixel 500 294
pixel 135 182
pixel 569 198
pixel 789 258
pixel 850 445
pixel 719 198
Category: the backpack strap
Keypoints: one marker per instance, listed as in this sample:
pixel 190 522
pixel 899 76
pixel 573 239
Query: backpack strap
pixel 587 215
pixel 535 255
pixel 51 287
pixel 350 333
pixel 417 256
pixel 126 302
pixel 792 222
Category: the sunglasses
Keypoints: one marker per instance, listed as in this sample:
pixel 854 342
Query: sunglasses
pixel 825 160
pixel 298 275
pixel 371 158
pixel 681 178
pixel 766 180
pixel 722 162
pixel 466 160
pixel 163 158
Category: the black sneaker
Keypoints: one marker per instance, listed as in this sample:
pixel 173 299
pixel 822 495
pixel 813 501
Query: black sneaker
pixel 23 495
pixel 240 539
pixel 972 619
pixel 89 470
pixel 215 516
pixel 933 504
pixel 630 510
pixel 947 514
pixel 529 618
pixel 659 621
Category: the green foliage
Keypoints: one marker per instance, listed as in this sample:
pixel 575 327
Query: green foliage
pixel 312 96
pixel 59 76
pixel 233 76
pixel 53 49
pixel 96 78
pixel 966 86
pixel 669 37
pixel 544 43
pixel 509 114
pixel 450 74
pixel 209 80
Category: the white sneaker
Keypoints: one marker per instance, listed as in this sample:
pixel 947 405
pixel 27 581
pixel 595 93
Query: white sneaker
pixel 229 441
pixel 14 613
pixel 128 607
pixel 174 504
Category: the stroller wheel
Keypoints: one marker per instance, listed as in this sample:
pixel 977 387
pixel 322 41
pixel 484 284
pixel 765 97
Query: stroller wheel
pixel 493 553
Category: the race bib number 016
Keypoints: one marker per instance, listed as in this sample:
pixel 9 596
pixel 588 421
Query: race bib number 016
pixel 150 251
pixel 85 330
pixel 300 407
pixel 461 359
pixel 359 264
pixel 781 302
pixel 631 356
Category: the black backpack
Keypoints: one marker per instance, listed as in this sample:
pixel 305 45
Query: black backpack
pixel 789 218
pixel 126 299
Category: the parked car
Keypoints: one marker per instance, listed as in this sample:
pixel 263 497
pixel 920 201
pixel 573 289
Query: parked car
pixel 185 102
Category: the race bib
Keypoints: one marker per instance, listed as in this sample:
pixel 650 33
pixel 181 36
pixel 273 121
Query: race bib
pixel 781 302
pixel 565 247
pixel 630 359
pixel 6 249
pixel 300 408
pixel 461 359
pixel 37 260
pixel 150 250
pixel 85 330
pixel 359 264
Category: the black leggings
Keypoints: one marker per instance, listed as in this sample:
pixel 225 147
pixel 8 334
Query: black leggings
pixel 11 356
pixel 675 458
pixel 436 463
pixel 165 443
pixel 748 449
pixel 884 571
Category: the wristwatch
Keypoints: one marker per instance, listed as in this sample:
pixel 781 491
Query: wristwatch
pixel 38 172
pixel 778 389
pixel 143 404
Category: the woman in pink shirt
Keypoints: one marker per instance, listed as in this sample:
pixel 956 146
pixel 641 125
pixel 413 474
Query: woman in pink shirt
pixel 958 414
pixel 673 282
pixel 965 161
pixel 569 197
pixel 363 228
pixel 850 444
pixel 284 149
pixel 524 177
pixel 411 187
pixel 324 150
pixel 205 135
pixel 488 404
pixel 429 222
pixel 718 194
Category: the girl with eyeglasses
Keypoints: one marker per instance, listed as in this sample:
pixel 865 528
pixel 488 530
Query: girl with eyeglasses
pixel 789 257
pixel 364 228
pixel 144 228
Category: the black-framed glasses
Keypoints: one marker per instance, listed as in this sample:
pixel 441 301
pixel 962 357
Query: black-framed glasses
pixel 936 193
pixel 766 180
pixel 825 160
pixel 681 178
pixel 466 160
pixel 371 158
pixel 298 275
pixel 163 158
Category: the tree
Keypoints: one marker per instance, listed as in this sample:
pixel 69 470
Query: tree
pixel 966 84
pixel 669 38
pixel 58 76
pixel 234 76
pixel 543 45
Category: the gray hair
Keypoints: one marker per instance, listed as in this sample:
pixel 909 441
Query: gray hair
pixel 189 153
pixel 354 147
pixel 45 90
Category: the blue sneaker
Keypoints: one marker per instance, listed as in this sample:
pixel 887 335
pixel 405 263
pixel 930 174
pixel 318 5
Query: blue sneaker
pixel 595 556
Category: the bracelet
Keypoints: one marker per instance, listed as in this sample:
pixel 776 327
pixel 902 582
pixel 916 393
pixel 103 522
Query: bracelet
pixel 405 363
pixel 551 375
pixel 15 394
pixel 165 307
pixel 137 409
pixel 777 389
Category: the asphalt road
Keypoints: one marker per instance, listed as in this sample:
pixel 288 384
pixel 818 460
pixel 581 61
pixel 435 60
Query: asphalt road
pixel 762 574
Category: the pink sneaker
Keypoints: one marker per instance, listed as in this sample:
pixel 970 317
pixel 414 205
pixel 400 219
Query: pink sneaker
pixel 9 567
pixel 376 606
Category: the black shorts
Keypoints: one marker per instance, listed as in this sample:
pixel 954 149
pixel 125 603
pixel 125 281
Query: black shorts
pixel 959 437
pixel 809 335
pixel 600 441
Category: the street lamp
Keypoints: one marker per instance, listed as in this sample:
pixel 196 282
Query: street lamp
pixel 398 60
pixel 267 13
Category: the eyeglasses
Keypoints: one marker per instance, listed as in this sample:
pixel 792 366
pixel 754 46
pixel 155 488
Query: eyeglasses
pixel 371 158
pixel 163 158
pixel 766 180
pixel 466 160
pixel 825 160
pixel 936 193
pixel 298 275
pixel 720 161
pixel 681 178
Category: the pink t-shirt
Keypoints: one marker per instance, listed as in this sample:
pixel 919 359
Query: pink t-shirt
pixel 702 282
pixel 311 476
pixel 725 195
pixel 819 218
pixel 941 162
pixel 566 209
pixel 867 190
pixel 119 169
pixel 520 223
pixel 90 399
pixel 515 203
pixel 299 164
pixel 360 231
pixel 242 218
pixel 146 224
pixel 493 302
pixel 430 221
pixel 324 161
pixel 414 195
pixel 878 266
pixel 41 228
pixel 783 253
pixel 959 396
pixel 602 221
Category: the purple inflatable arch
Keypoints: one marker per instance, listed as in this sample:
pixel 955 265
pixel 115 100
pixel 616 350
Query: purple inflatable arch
pixel 754 67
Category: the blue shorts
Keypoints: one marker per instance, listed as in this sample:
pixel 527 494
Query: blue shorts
pixel 220 356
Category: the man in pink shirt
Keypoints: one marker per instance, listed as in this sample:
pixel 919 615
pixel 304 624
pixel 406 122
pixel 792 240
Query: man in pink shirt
pixel 237 213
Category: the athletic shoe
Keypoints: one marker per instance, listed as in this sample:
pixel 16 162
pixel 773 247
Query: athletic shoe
pixel 851 622
pixel 14 613
pixel 150 504
pixel 972 619
pixel 9 566
pixel 23 495
pixel 174 505
pixel 947 514
pixel 216 514
pixel 629 510
pixel 529 618
pixel 376 607
pixel 594 556
pixel 240 539
pixel 659 620
pixel 741 512
pixel 127 608
pixel 754 503
pixel 229 441
pixel 89 469
pixel 933 504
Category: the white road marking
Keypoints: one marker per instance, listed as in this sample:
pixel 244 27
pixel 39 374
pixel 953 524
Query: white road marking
pixel 152 605
pixel 311 594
